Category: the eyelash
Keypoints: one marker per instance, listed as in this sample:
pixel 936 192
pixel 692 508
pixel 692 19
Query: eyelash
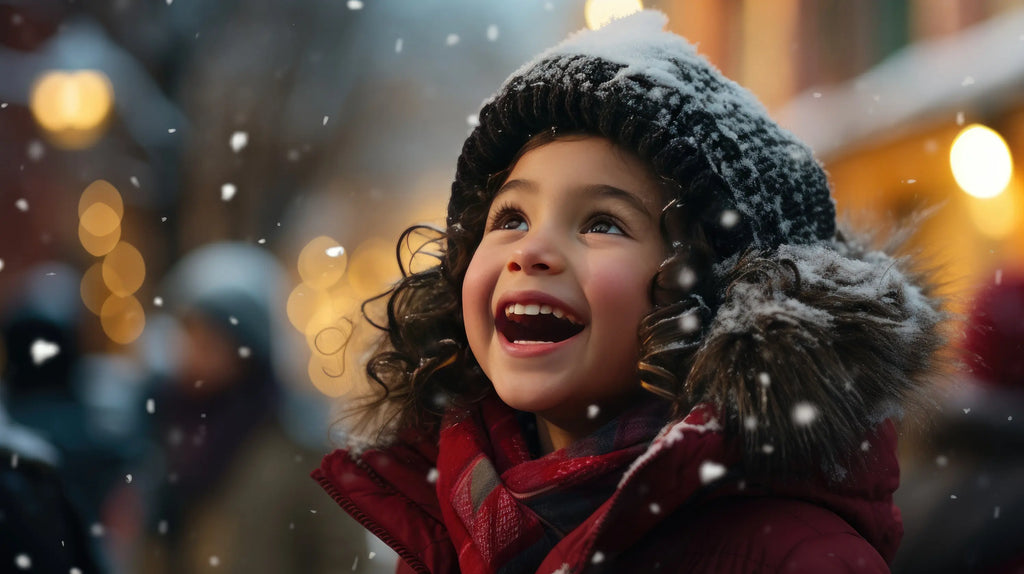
pixel 506 211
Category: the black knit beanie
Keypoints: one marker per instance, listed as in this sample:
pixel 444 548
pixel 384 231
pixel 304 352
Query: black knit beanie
pixel 649 91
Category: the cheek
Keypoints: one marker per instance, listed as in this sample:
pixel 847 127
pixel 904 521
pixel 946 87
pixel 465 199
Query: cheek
pixel 477 288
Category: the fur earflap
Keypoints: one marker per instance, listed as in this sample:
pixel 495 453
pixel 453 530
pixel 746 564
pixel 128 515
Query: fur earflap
pixel 812 347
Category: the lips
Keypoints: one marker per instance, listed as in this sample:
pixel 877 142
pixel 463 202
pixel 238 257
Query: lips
pixel 534 319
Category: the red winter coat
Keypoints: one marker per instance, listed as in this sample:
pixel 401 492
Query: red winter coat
pixel 810 349
pixel 661 518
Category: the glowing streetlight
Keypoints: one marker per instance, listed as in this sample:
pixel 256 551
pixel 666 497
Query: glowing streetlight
pixel 72 106
pixel 981 161
pixel 597 13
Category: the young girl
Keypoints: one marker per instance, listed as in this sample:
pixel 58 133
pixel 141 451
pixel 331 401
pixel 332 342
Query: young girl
pixel 646 347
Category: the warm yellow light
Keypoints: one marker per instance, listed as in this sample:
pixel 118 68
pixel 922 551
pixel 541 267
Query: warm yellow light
pixel 100 220
pixel 93 290
pixel 124 270
pixel 597 13
pixel 981 161
pixel 97 245
pixel 322 262
pixel 373 269
pixel 303 303
pixel 72 106
pixel 101 191
pixel 122 318
pixel 996 217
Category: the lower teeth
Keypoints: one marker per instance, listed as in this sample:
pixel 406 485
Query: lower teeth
pixel 533 342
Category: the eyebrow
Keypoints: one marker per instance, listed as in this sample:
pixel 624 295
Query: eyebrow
pixel 593 189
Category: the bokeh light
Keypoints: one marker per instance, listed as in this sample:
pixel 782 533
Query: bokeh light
pixel 322 262
pixel 598 13
pixel 373 268
pixel 981 161
pixel 303 303
pixel 124 270
pixel 996 217
pixel 98 246
pixel 93 290
pixel 72 107
pixel 122 318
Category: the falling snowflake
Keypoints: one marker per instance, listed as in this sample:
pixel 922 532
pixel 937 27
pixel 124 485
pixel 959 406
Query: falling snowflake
pixel 36 150
pixel 96 529
pixel 593 411
pixel 326 118
pixel 999 276
pixel 767 448
pixel 372 555
pixel 689 323
pixel 941 460
pixel 597 558
pixel 865 446
pixel 161 527
pixel 804 413
pixel 710 471
pixel 432 476
pixel 451 40
pixel 22 561
pixel 128 478
pixel 687 277
pixel 816 95
pixel 43 351
pixel 135 181
pixel 150 406
pixel 967 81
pixel 21 204
pixel 158 301
pixel 655 508
pixel 729 219
pixel 244 352
pixel 967 411
pixel 233 320
pixel 238 141
pixel 398 46
pixel 354 5
pixel 959 118
pixel 227 191
pixel 750 422
pixel 214 561
pixel 492 32
pixel 764 379
pixel 171 130
pixel 1 264
pixel 473 120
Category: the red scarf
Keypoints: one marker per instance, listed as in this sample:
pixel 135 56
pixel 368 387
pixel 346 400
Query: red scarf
pixel 506 510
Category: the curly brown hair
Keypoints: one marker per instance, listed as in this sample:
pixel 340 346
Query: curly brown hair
pixel 423 363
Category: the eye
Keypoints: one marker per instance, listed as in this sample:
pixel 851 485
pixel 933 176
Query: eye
pixel 508 218
pixel 603 224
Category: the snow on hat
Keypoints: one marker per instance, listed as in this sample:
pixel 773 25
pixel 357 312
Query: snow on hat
pixel 649 91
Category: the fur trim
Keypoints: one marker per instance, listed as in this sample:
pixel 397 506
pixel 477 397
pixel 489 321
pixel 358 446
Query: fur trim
pixel 812 347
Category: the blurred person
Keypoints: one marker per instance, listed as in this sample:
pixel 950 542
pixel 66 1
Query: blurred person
pixel 69 398
pixel 41 530
pixel 963 502
pixel 232 492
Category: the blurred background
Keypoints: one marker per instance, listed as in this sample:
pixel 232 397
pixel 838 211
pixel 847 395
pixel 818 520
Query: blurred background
pixel 195 193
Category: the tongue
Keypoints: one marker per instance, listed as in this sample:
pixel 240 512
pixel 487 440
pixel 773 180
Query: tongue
pixel 539 328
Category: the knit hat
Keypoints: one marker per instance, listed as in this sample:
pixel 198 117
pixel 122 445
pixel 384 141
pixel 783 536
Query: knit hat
pixel 649 91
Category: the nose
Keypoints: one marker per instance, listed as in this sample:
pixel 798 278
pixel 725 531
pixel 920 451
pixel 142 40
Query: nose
pixel 537 253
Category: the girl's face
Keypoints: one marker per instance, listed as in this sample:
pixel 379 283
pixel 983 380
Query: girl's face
pixel 555 292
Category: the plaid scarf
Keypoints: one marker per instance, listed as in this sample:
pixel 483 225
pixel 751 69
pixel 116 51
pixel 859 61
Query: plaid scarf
pixel 506 510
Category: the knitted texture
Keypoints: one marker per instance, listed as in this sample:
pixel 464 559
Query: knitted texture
pixel 649 91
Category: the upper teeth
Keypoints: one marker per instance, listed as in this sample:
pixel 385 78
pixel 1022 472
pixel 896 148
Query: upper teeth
pixel 536 309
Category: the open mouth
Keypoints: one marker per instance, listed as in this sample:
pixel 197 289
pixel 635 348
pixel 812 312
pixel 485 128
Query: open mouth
pixel 532 324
